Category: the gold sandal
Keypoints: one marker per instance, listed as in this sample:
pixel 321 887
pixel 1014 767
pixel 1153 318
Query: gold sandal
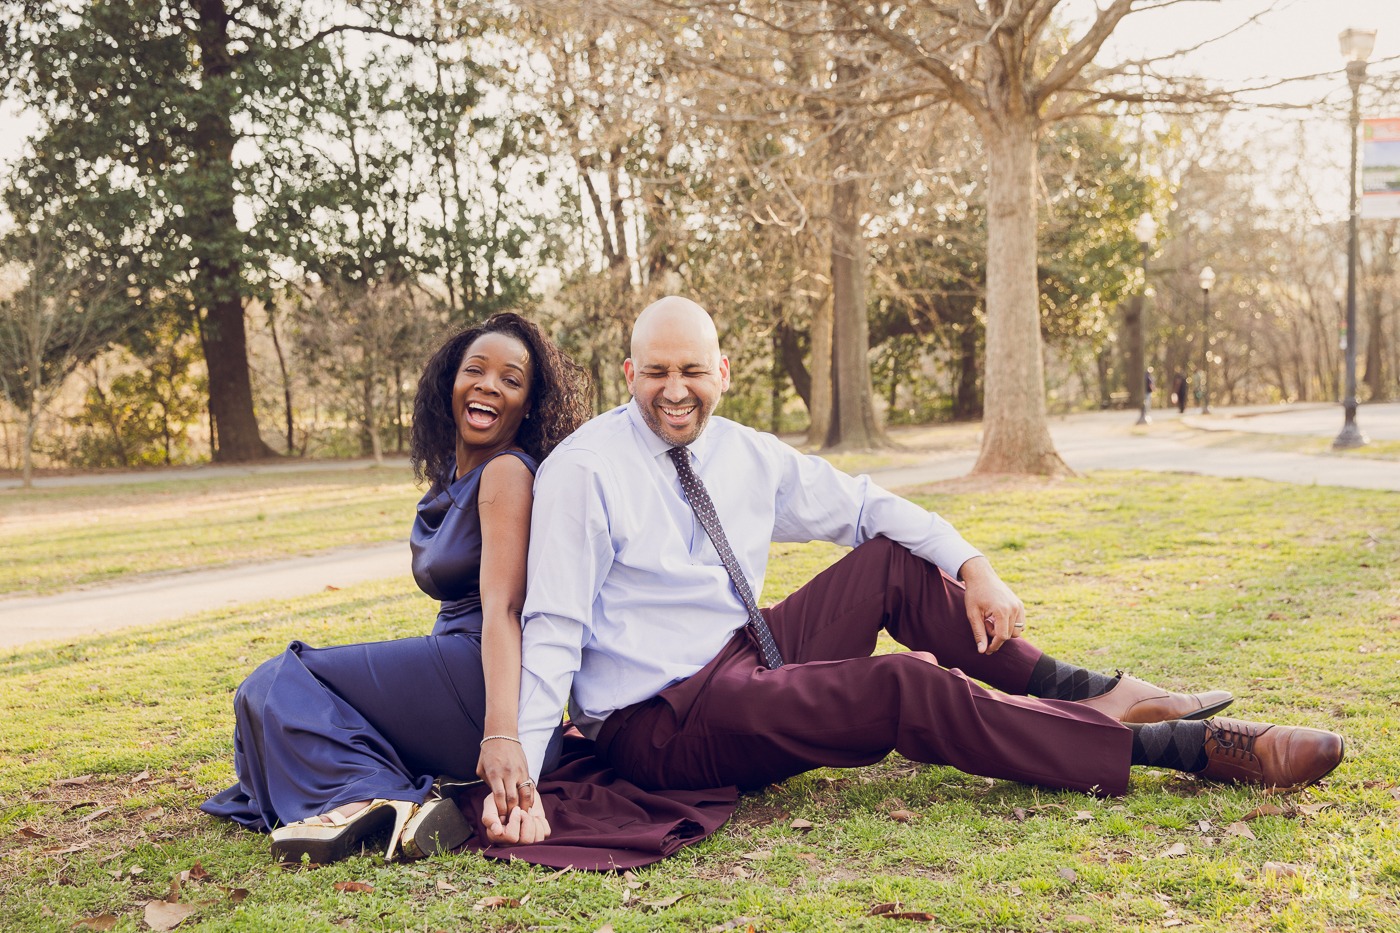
pixel 332 836
pixel 439 825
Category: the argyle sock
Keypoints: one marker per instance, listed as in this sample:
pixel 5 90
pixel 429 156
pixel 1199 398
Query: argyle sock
pixel 1179 744
pixel 1056 680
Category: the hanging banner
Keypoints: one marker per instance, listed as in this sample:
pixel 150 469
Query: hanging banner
pixel 1380 171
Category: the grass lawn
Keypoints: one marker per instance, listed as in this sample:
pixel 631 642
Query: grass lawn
pixel 53 539
pixel 1290 596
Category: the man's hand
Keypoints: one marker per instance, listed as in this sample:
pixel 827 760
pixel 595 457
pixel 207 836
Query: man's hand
pixel 521 828
pixel 993 610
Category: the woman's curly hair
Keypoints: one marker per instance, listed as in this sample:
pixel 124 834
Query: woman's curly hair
pixel 559 396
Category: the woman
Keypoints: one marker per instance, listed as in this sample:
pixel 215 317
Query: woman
pixel 332 745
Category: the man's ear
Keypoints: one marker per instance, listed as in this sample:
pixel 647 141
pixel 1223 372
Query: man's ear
pixel 629 369
pixel 724 372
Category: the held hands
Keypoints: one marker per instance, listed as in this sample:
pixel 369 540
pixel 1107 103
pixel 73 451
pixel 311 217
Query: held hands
pixel 522 828
pixel 513 812
pixel 993 610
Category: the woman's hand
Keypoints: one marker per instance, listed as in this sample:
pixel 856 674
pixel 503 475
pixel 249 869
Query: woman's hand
pixel 521 828
pixel 503 767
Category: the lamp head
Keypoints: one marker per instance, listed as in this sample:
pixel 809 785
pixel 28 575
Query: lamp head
pixel 1357 44
pixel 1207 278
pixel 1145 229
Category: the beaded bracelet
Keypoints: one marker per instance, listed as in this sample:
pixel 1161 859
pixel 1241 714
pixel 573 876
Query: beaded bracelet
pixel 508 738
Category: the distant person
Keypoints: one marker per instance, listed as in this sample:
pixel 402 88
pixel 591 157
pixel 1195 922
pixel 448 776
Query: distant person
pixel 333 745
pixel 1179 390
pixel 648 625
pixel 1148 385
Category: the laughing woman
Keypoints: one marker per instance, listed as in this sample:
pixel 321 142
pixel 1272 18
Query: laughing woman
pixel 334 745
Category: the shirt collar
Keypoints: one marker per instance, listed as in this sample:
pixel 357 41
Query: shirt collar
pixel 656 446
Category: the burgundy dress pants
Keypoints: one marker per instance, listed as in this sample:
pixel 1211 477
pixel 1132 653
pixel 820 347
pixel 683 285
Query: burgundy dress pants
pixel 833 704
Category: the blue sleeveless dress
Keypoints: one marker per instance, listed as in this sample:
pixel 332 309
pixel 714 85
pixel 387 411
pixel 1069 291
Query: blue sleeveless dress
pixel 319 727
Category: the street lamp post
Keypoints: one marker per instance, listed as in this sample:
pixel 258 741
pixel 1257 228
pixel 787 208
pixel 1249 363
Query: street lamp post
pixel 1145 230
pixel 1207 280
pixel 1356 49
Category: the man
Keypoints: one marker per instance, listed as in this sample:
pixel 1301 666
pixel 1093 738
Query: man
pixel 683 682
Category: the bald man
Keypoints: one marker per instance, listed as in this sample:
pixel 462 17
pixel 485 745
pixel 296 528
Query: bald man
pixel 648 549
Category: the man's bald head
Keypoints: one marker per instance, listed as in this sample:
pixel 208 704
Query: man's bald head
pixel 671 318
pixel 676 372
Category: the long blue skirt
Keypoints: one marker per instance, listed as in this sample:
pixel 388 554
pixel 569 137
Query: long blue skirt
pixel 319 727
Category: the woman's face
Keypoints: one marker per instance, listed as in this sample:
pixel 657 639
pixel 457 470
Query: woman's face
pixel 491 394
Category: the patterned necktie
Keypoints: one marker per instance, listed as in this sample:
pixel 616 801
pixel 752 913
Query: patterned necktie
pixel 704 509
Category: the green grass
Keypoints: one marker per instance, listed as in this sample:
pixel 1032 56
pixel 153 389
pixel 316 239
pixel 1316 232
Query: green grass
pixel 56 538
pixel 1288 595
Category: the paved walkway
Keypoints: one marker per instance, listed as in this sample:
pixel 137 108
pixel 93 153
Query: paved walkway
pixel 1101 440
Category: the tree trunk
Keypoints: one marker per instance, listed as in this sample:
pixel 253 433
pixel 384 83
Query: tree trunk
pixel 853 422
pixel 1015 431
pixel 31 423
pixel 217 281
pixel 819 408
pixel 1381 275
pixel 966 405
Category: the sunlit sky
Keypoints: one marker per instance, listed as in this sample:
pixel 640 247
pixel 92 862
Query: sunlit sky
pixel 1292 38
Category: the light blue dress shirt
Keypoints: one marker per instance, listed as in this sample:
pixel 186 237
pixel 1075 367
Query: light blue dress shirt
pixel 627 595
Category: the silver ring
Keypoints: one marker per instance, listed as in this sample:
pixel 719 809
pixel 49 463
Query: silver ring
pixel 525 783
pixel 1021 624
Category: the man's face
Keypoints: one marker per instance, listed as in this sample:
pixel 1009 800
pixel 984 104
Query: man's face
pixel 677 375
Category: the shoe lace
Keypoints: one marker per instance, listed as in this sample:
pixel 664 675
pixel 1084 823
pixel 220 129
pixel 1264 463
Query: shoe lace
pixel 1233 740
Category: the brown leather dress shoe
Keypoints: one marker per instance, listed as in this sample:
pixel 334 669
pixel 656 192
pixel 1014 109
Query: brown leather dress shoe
pixel 1263 753
pixel 1137 701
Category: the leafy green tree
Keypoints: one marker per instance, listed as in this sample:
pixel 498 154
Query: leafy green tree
pixel 146 102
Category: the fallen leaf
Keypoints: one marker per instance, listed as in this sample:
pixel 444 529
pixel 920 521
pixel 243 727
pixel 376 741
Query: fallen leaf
pixel 1241 829
pixel 665 901
pixel 757 856
pixel 1083 816
pixel 1078 918
pixel 99 922
pixel 95 814
pixel 135 870
pixel 1282 869
pixel 1204 826
pixel 143 776
pixel 235 894
pixel 894 912
pixel 605 928
pixel 903 816
pixel 1069 874
pixel 1175 851
pixel 1019 814
pixel 163 915
pixel 196 872
pixel 445 888
pixel 807 857
pixel 495 901
pixel 331 588
pixel 28 833
pixel 78 805
pixel 800 825
pixel 739 872
pixel 66 850
pixel 73 781
pixel 1264 809
pixel 1174 923
pixel 354 887
pixel 153 813
pixel 1312 809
